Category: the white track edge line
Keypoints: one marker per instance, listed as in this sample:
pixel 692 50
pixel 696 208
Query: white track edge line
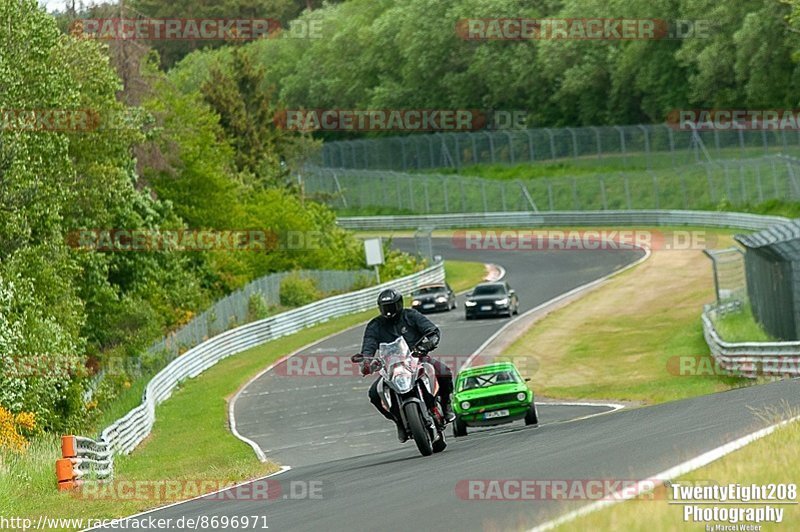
pixel 232 403
pixel 671 473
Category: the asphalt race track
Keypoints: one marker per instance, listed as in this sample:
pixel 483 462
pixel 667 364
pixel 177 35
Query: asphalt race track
pixel 363 479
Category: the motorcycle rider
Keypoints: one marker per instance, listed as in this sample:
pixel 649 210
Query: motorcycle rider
pixel 393 322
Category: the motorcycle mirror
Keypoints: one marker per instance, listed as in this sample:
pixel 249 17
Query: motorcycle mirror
pixel 357 358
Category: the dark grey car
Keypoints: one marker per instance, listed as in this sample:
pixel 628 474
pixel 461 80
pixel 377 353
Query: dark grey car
pixel 491 299
pixel 433 297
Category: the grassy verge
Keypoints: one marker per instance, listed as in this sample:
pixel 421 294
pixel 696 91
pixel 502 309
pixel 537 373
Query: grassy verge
pixel 462 275
pixel 741 327
pixel 763 462
pixel 194 419
pixel 624 341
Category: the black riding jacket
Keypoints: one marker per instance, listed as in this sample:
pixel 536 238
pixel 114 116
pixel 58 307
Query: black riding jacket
pixel 411 325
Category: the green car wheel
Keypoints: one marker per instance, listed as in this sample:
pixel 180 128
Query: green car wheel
pixel 532 417
pixel 459 428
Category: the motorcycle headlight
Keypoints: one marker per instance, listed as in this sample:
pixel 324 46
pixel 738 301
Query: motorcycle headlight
pixel 502 302
pixel 402 379
pixel 521 396
pixel 470 304
pixel 441 299
pixel 465 405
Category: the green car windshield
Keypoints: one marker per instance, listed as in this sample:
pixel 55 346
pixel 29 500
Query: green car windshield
pixel 486 380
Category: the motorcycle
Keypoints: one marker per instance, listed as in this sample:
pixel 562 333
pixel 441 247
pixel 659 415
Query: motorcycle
pixel 411 385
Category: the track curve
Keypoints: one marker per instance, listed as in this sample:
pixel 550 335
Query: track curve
pixel 325 429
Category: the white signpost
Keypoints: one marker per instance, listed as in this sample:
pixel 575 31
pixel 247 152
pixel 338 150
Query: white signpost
pixel 373 249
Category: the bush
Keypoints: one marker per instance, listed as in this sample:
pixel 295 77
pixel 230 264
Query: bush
pixel 257 308
pixel 14 428
pixel 297 291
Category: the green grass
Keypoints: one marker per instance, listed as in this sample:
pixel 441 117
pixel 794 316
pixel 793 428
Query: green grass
pixel 190 441
pixel 624 341
pixel 574 184
pixel 763 462
pixel 741 327
pixel 462 275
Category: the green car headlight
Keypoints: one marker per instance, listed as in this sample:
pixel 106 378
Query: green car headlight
pixel 521 396
pixel 465 405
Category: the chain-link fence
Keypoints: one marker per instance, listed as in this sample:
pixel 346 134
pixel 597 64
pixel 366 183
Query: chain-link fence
pixel 730 285
pixel 772 262
pixel 649 146
pixel 240 307
pixel 698 186
pixel 237 308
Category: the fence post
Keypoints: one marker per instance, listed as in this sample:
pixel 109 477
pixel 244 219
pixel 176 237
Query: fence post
pixel 597 137
pixel 398 193
pixel 728 193
pixel 403 152
pixel 552 143
pixel 445 181
pixel 603 193
pixel 574 142
pixel 712 192
pixel 491 146
pixel 531 152
pixel 647 146
pixel 758 184
pixel 575 194
pixel 510 146
pixel 622 145
pixel 528 196
pixel 627 191
pixel 503 194
pixel 474 148
pixel 655 189
pixel 483 195
pixel 671 138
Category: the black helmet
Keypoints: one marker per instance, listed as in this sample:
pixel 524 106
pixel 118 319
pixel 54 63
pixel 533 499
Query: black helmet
pixel 390 303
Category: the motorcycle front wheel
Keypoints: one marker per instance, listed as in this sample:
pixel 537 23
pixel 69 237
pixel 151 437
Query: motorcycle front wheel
pixel 418 429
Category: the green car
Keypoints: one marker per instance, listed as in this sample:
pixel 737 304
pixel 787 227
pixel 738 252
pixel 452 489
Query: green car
pixel 493 394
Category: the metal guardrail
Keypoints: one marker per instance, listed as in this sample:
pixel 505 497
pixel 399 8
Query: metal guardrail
pixel 126 433
pixel 563 219
pixel 751 359
pixel 95 458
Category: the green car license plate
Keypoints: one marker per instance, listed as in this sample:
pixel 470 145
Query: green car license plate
pixel 496 413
